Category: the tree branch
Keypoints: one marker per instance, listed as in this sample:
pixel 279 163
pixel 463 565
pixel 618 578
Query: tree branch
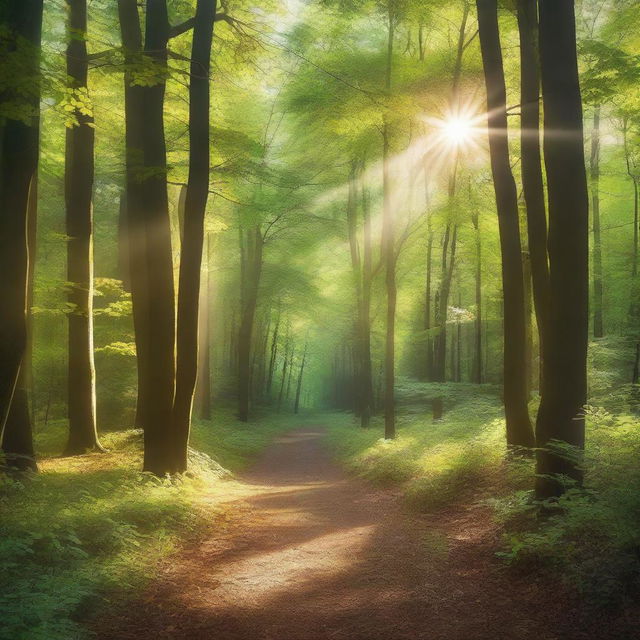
pixel 181 28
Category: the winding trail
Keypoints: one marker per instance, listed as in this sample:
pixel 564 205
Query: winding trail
pixel 313 554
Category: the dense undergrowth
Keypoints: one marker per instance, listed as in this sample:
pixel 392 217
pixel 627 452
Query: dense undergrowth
pixel 591 539
pixel 89 529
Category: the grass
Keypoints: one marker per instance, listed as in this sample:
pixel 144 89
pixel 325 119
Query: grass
pixel 89 529
pixel 435 463
pixel 591 540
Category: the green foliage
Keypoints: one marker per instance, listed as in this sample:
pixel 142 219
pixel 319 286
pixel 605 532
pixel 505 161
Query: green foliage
pixel 88 531
pixel 589 537
pixel 436 463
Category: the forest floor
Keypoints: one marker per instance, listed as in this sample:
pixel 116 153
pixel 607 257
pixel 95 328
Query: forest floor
pixel 311 553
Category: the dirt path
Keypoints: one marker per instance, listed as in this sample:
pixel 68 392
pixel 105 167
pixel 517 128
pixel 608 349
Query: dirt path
pixel 316 555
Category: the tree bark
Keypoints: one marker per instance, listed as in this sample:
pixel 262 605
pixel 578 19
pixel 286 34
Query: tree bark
pixel 131 36
pixel 160 299
pixel 367 282
pixel 532 179
pixel 274 354
pixel 17 439
pixel 193 235
pixel 519 429
pixel 79 176
pixel 449 245
pixel 296 406
pixel 477 342
pixel 18 166
pixel 598 304
pixel 252 274
pixel 203 383
pixel 564 390
pixel 389 254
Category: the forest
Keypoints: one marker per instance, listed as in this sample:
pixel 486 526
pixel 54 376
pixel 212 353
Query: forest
pixel 320 319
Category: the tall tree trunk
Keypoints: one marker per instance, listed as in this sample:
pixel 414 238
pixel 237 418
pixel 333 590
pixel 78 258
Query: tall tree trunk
pixel 367 281
pixel 79 174
pixel 124 250
pixel 285 364
pixel 17 439
pixel 287 393
pixel 274 354
pixel 193 235
pixel 519 429
pixel 160 298
pixel 389 254
pixel 428 286
pixel 131 36
pixel 203 383
pixel 356 268
pixel 528 320
pixel 598 304
pixel 532 179
pixel 477 359
pixel 19 146
pixel 296 406
pixel 564 390
pixel 634 305
pixel 252 275
pixel 449 245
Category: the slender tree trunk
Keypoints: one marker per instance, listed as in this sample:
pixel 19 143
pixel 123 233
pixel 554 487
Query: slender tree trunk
pixel 389 255
pixel 428 285
pixel 458 377
pixel 532 179
pixel 296 406
pixel 564 390
pixel 528 321
pixel 194 235
pixel 519 429
pixel 79 174
pixel 124 250
pixel 22 20
pixel 633 307
pixel 274 353
pixel 283 378
pixel 356 267
pixel 253 272
pixel 367 281
pixel 287 393
pixel 449 246
pixel 17 439
pixel 203 383
pixel 131 36
pixel 477 360
pixel 598 304
pixel 160 299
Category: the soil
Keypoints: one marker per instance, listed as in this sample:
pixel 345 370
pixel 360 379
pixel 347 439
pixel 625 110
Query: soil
pixel 311 553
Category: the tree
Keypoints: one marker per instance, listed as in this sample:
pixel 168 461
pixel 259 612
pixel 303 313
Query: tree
pixel 79 175
pixel 388 246
pixel 519 429
pixel 532 179
pixel 193 237
pixel 19 146
pixel 296 405
pixel 564 385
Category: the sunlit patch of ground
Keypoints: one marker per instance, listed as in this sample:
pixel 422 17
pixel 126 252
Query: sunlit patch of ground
pixel 311 554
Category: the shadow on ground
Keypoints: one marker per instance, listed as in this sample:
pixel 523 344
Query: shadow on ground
pixel 316 555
